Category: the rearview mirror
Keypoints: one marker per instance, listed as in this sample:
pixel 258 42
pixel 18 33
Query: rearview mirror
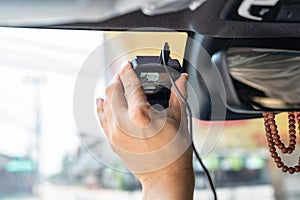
pixel 258 79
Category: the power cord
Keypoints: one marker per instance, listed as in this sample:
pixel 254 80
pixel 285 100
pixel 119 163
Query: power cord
pixel 164 57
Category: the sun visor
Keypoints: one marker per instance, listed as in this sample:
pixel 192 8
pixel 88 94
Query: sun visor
pixel 154 7
pixel 49 12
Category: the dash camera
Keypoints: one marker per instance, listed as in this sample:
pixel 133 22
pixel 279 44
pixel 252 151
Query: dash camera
pixel 155 79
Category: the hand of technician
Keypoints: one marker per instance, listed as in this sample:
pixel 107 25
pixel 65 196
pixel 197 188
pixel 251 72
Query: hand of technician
pixel 136 131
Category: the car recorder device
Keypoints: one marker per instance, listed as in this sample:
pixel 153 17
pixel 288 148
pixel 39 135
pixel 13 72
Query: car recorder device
pixel 154 78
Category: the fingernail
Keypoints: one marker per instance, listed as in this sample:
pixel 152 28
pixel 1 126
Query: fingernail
pixel 185 75
pixel 124 63
pixel 99 102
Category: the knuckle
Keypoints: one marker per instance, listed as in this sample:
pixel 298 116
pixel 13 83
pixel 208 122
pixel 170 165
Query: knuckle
pixel 107 107
pixel 116 149
pixel 132 84
pixel 102 120
pixel 106 104
pixel 174 113
pixel 115 140
pixel 137 97
pixel 110 89
pixel 99 111
pixel 125 70
pixel 140 114
pixel 100 114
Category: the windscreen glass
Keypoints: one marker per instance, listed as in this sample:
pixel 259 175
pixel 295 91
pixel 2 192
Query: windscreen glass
pixel 44 155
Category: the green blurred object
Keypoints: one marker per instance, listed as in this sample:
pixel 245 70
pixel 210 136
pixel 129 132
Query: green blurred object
pixel 236 162
pixel 20 165
pixel 255 162
pixel 212 162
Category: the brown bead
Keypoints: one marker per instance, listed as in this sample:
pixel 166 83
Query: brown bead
pixel 267 129
pixel 271 144
pixel 277 159
pixel 292 142
pixel 271 121
pixel 270 115
pixel 284 150
pixel 292 121
pixel 292 147
pixel 292 131
pixel 289 150
pixel 266 124
pixel 273 126
pixel 272 149
pixel 292 126
pixel 297 168
pixel 291 170
pixel 277 142
pixel 281 145
pixel 285 168
pixel 270 139
pixel 279 164
pixel 274 132
pixel 274 154
pixel 291 116
pixel 268 134
pixel 276 137
pixel 266 117
pixel 293 137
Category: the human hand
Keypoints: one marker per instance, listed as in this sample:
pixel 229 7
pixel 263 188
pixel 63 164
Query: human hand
pixel 154 144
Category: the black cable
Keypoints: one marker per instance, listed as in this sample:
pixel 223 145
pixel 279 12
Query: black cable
pixel 164 57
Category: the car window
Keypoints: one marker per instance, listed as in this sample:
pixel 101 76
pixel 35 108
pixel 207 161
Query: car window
pixel 43 155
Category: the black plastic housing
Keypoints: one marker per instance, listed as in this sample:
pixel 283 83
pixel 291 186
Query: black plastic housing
pixel 157 89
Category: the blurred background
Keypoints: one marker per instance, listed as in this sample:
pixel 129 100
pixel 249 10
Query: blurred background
pixel 41 151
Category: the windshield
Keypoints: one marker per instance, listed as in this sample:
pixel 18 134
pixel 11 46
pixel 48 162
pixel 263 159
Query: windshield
pixel 43 155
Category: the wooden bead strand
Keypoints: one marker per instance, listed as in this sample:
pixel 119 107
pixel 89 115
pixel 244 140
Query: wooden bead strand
pixel 273 139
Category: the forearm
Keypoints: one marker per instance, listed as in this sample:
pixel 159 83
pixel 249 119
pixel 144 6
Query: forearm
pixel 178 186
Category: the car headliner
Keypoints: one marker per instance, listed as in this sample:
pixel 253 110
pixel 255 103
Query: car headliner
pixel 206 20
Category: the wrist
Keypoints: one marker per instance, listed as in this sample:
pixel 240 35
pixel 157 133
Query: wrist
pixel 175 185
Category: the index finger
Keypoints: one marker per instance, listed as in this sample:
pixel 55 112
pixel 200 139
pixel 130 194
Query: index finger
pixel 133 89
pixel 176 106
pixel 181 84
